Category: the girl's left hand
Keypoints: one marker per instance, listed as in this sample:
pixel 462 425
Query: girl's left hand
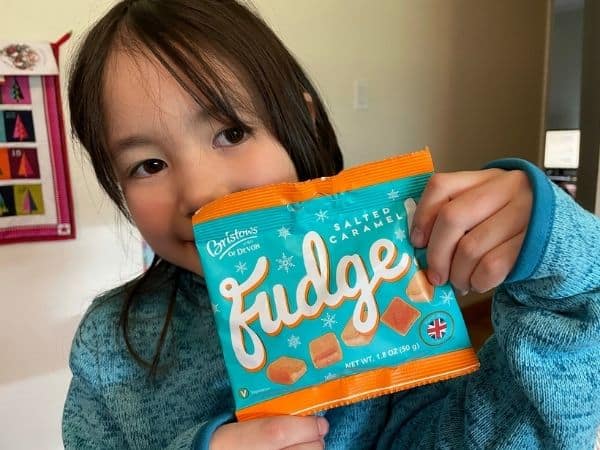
pixel 473 224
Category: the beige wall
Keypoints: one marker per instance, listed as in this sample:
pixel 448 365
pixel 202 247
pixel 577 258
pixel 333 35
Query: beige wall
pixel 463 76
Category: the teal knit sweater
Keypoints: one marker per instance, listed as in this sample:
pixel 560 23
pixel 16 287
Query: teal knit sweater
pixel 538 386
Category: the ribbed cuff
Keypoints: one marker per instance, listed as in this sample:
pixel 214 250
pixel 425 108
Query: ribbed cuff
pixel 540 223
pixel 205 432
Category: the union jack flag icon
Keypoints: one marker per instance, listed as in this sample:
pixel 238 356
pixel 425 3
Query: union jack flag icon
pixel 436 329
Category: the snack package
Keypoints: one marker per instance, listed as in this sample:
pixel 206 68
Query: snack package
pixel 319 298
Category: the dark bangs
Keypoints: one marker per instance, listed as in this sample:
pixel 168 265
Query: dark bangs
pixel 201 43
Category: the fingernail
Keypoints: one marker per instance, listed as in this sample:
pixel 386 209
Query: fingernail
pixel 416 237
pixel 434 278
pixel 463 293
pixel 323 426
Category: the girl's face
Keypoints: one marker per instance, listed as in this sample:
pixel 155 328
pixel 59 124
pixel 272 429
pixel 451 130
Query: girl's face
pixel 171 157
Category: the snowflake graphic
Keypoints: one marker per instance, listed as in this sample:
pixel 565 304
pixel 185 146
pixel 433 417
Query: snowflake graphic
pixel 283 232
pixel 241 267
pixel 294 341
pixel 393 195
pixel 329 320
pixel 330 376
pixel 446 297
pixel 321 215
pixel 400 235
pixel 285 263
pixel 215 308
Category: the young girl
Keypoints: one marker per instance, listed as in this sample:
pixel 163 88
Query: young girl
pixel 179 102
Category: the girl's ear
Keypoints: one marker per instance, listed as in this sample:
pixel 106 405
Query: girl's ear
pixel 311 107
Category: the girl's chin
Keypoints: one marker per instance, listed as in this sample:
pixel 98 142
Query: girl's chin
pixel 193 263
pixel 198 271
pixel 193 267
pixel 187 258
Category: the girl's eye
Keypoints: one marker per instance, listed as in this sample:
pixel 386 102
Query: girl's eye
pixel 230 137
pixel 148 167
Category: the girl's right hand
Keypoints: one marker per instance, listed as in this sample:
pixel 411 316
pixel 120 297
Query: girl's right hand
pixel 272 433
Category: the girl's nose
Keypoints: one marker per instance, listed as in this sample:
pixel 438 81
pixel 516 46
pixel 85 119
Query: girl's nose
pixel 200 183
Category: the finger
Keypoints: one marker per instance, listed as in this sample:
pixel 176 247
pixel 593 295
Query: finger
pixel 317 445
pixel 272 433
pixel 458 217
pixel 491 233
pixel 285 431
pixel 410 206
pixel 496 264
pixel 441 189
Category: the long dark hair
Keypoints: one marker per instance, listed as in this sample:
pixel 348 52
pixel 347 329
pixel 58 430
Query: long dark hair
pixel 192 39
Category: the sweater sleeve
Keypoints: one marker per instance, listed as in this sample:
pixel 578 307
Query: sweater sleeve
pixel 537 386
pixel 89 424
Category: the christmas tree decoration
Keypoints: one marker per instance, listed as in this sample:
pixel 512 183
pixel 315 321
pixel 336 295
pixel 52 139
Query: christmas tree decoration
pixel 20 132
pixel 15 91
pixel 25 169
pixel 29 205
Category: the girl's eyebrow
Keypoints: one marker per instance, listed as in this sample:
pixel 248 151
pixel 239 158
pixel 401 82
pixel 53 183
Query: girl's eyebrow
pixel 198 117
pixel 128 143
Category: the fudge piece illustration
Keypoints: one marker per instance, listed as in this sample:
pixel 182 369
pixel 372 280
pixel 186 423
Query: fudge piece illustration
pixel 419 289
pixel 286 370
pixel 400 316
pixel 325 350
pixel 354 338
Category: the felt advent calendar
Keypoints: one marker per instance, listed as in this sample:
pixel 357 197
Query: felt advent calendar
pixel 35 195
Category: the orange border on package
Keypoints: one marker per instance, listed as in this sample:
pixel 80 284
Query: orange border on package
pixel 361 386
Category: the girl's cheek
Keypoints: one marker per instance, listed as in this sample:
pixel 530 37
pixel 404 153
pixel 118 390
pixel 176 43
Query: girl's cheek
pixel 144 210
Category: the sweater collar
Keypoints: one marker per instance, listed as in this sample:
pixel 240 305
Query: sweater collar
pixel 193 287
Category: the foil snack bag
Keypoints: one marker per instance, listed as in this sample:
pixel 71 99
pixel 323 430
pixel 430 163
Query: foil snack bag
pixel 319 298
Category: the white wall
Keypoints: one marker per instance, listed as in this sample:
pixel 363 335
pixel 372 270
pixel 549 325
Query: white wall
pixel 47 286
pixel 464 77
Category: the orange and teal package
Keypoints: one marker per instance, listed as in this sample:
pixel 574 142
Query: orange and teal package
pixel 319 298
